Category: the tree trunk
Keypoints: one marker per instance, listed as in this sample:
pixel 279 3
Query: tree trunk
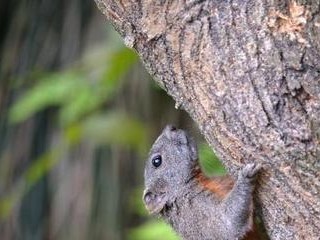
pixel 248 72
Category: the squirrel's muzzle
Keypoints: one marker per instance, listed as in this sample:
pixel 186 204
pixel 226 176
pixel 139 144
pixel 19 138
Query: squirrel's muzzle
pixel 154 202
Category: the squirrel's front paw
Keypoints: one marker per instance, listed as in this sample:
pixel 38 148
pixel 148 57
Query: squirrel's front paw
pixel 250 170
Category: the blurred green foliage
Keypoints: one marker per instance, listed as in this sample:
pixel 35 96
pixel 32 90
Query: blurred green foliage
pixel 34 173
pixel 209 162
pixel 80 97
pixel 153 230
pixel 136 204
pixel 73 92
pixel 116 128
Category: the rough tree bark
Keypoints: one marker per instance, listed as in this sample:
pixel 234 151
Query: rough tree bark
pixel 248 72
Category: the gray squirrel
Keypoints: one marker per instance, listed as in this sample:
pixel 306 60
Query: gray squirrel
pixel 197 207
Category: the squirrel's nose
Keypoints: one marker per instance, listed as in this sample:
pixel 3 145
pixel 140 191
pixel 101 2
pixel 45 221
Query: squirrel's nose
pixel 154 202
pixel 170 128
pixel 147 197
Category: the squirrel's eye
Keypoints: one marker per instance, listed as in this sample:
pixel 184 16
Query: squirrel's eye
pixel 156 161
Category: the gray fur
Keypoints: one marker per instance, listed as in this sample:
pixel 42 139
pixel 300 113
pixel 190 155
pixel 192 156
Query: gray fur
pixel 173 192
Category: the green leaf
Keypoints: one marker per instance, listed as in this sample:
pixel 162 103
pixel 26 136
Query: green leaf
pixel 136 205
pixel 209 162
pixel 40 168
pixel 73 91
pixel 153 230
pixel 116 128
pixel 85 101
pixel 119 64
pixel 73 133
pixel 51 90
pixel 6 206
pixel 90 97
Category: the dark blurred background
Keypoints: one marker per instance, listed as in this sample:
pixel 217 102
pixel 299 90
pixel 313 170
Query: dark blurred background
pixel 78 113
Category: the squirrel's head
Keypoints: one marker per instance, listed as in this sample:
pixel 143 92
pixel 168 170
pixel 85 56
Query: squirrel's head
pixel 169 168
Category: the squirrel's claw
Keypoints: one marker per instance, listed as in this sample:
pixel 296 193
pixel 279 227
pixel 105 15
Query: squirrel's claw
pixel 250 170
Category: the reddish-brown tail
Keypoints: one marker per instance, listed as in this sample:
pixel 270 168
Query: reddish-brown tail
pixel 253 234
pixel 221 186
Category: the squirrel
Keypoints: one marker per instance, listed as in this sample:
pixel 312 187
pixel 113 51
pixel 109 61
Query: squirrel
pixel 197 207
